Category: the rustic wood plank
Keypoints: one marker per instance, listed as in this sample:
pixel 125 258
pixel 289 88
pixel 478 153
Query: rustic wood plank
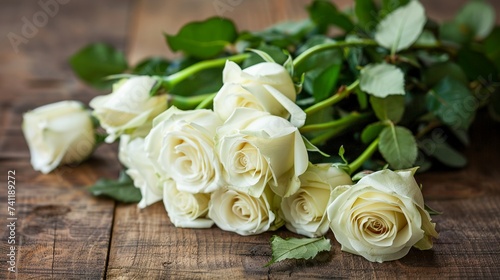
pixel 62 232
pixel 146 245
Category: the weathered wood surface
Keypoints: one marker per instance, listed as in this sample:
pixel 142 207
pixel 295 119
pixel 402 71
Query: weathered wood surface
pixel 64 233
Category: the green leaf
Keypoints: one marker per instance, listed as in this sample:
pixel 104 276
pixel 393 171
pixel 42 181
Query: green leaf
pixel 445 154
pixel 494 106
pixel 122 190
pixel 366 12
pixel 476 64
pixel 455 32
pixel 401 28
pixel 263 55
pixel 398 147
pixel 203 39
pixel 427 39
pixel 490 46
pixel 95 62
pixel 436 72
pixel 282 34
pixel 273 52
pixel 371 131
pixel 453 103
pixel 311 148
pixel 297 248
pixel 431 211
pixel 321 70
pixel 382 80
pixel 362 98
pixel 324 13
pixel 341 155
pixel 152 67
pixel 205 81
pixel 478 16
pixel 390 5
pixel 389 108
pixel 324 81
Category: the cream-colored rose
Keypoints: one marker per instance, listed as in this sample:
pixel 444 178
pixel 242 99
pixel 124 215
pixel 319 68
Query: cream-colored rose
pixel 382 216
pixel 265 86
pixel 140 169
pixel 239 212
pixel 129 108
pixel 305 210
pixel 257 149
pixel 57 134
pixel 181 144
pixel 186 210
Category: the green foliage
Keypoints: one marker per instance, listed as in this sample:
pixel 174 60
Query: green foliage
pixel 452 103
pixel 475 64
pixel 438 71
pixel 445 154
pixel 366 13
pixel 477 16
pixel 275 53
pixel 389 108
pixel 371 131
pixel 321 70
pixel 297 248
pixel 382 80
pixel 389 6
pixel 205 81
pixel 281 35
pixel 122 190
pixel 152 66
pixel 401 28
pixel 204 39
pixel 324 13
pixel 490 47
pixel 97 61
pixel 398 147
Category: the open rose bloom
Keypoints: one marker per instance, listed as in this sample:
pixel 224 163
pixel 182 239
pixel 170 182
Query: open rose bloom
pixel 381 217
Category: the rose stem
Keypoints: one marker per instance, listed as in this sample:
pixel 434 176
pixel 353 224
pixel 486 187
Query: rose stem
pixel 322 47
pixel 357 163
pixel 170 81
pixel 341 127
pixel 189 102
pixel 334 99
pixel 207 101
pixel 347 120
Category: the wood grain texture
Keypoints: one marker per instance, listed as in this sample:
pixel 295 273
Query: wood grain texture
pixel 64 233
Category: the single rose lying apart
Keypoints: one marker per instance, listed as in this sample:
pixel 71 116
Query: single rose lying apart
pixel 243 166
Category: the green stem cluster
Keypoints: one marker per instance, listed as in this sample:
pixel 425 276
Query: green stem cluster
pixel 334 99
pixel 327 46
pixel 172 80
pixel 190 102
pixel 344 121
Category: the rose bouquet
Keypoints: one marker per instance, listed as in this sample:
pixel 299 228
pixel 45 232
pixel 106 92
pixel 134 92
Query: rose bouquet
pixel 243 131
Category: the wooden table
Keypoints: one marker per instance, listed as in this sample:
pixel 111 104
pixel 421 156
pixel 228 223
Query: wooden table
pixel 62 232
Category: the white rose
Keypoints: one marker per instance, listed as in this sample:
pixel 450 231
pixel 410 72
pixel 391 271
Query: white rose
pixel 239 212
pixel 265 86
pixel 57 134
pixel 186 210
pixel 305 210
pixel 382 216
pixel 141 170
pixel 129 108
pixel 256 149
pixel 181 144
